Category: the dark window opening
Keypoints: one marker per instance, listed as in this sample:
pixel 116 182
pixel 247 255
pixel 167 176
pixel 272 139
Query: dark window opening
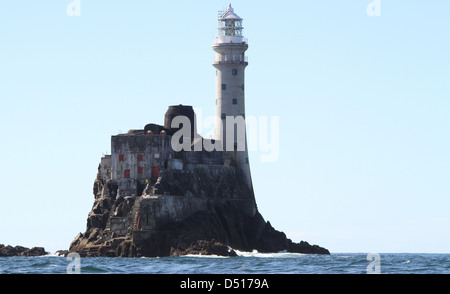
pixel 224 87
pixel 234 72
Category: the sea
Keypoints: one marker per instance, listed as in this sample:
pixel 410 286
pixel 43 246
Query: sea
pixel 251 263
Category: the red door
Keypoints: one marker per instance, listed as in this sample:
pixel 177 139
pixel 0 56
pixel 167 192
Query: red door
pixel 155 172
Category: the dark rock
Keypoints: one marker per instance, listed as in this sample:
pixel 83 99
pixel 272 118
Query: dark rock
pixel 8 251
pixel 62 253
pixel 204 247
pixel 227 217
pixel 97 220
pixel 126 249
pixel 35 251
pixel 229 227
pixel 305 247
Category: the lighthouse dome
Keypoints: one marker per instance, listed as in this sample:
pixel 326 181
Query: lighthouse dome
pixel 229 14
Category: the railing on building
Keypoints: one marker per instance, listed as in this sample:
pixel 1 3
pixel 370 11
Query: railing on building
pixel 230 59
pixel 230 40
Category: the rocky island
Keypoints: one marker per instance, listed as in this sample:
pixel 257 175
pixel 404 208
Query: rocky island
pixel 150 200
pixel 166 191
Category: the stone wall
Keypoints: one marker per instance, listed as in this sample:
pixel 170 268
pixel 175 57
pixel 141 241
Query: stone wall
pixel 105 168
pixel 119 225
pixel 138 154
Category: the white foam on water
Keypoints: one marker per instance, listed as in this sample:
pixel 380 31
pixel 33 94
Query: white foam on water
pixel 53 255
pixel 205 256
pixel 255 253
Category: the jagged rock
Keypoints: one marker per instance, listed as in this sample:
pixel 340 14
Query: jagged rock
pixel 7 251
pixel 200 210
pixel 305 247
pixel 35 251
pixel 122 207
pixel 126 249
pixel 63 253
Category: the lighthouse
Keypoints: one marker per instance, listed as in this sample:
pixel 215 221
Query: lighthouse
pixel 230 63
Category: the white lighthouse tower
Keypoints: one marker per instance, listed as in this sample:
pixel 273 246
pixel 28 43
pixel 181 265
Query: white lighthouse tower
pixel 230 63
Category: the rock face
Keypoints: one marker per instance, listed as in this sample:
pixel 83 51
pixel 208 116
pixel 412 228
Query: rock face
pixel 199 210
pixel 203 247
pixel 8 251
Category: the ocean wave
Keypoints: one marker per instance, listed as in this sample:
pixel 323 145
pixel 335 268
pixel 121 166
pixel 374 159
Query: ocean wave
pixel 247 262
pixel 95 269
pixel 255 253
pixel 205 256
pixel 52 255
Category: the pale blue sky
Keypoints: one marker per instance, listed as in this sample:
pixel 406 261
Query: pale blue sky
pixel 363 102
